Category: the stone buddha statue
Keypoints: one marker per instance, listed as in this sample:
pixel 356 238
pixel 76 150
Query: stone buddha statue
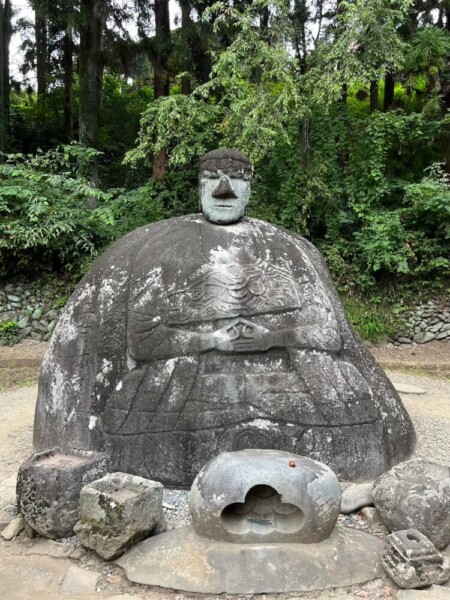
pixel 215 332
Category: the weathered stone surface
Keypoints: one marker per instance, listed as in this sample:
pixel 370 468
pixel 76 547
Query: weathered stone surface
pixel 80 581
pixel 183 560
pixel 189 338
pixel 262 496
pixel 15 527
pixel 423 338
pixel 435 592
pixel 405 388
pixel 413 561
pixel 49 485
pixel 416 495
pixel 355 496
pixel 117 511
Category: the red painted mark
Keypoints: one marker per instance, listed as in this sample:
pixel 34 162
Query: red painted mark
pixel 292 463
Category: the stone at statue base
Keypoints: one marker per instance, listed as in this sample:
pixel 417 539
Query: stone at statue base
pixel 117 511
pixel 416 495
pixel 182 560
pixel 49 485
pixel 262 496
pixel 262 522
pixel 413 561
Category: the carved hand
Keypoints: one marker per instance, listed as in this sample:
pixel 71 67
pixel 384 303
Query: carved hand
pixel 253 338
pixel 222 339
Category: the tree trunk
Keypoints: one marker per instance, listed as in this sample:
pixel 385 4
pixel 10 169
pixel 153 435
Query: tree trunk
pixel 68 83
pixel 40 30
pixel 389 86
pixel 91 78
pixel 161 74
pixel 186 25
pixel 5 38
pixel 373 96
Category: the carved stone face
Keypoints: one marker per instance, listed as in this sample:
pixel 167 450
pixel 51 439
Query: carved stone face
pixel 224 195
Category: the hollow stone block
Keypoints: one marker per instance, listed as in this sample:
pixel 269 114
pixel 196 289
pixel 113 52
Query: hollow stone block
pixel 416 494
pixel 49 485
pixel 254 496
pixel 413 561
pixel 118 511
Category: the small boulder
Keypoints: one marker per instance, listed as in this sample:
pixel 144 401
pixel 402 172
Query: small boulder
pixel 356 496
pixel 80 581
pixel 49 485
pixel 416 495
pixel 15 527
pixel 118 511
pixel 413 561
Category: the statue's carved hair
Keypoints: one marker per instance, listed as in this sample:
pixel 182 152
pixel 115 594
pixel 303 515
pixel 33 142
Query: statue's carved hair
pixel 225 159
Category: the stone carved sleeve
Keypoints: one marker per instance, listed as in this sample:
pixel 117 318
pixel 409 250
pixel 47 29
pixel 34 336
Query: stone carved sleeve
pixel 149 339
pixel 318 330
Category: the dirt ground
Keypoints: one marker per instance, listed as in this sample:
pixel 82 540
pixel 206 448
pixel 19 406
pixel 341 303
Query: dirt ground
pixel 36 569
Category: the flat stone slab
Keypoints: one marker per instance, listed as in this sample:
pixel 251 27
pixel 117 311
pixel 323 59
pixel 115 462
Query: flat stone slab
pixel 79 581
pixel 405 388
pixel 182 560
pixel 435 592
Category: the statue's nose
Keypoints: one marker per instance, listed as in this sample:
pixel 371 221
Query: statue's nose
pixel 224 189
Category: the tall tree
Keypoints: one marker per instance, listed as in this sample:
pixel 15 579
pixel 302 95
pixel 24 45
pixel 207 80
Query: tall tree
pixel 5 38
pixel 161 81
pixel 40 30
pixel 92 22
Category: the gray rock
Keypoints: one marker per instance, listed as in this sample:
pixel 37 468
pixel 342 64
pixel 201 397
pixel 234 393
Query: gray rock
pixel 79 581
pixel 405 340
pixel 180 559
pixel 437 327
pixel 22 323
pixel 416 495
pixel 265 496
pixel 412 561
pixel 49 485
pixel 423 338
pixel 356 496
pixel 442 335
pixel 189 338
pixel 15 527
pixel 446 327
pixel 118 511
pixel 37 314
pixel 13 298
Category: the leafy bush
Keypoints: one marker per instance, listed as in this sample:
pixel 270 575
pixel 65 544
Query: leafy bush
pixel 9 333
pixel 45 222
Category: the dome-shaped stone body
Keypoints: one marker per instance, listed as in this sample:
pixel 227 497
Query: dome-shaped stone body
pixel 189 338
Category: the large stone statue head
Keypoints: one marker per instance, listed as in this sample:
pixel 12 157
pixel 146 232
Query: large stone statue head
pixel 224 185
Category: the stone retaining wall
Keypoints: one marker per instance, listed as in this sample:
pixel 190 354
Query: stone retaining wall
pixel 430 321
pixel 32 306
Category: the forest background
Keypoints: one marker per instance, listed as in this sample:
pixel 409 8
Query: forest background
pixel 343 108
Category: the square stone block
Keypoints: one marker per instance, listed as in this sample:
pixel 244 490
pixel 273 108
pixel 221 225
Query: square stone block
pixel 413 561
pixel 117 511
pixel 49 485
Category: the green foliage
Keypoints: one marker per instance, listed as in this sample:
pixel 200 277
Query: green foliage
pixel 373 318
pixel 44 218
pixel 9 333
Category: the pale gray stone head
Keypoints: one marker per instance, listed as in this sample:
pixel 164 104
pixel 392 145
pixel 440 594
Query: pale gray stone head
pixel 224 185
